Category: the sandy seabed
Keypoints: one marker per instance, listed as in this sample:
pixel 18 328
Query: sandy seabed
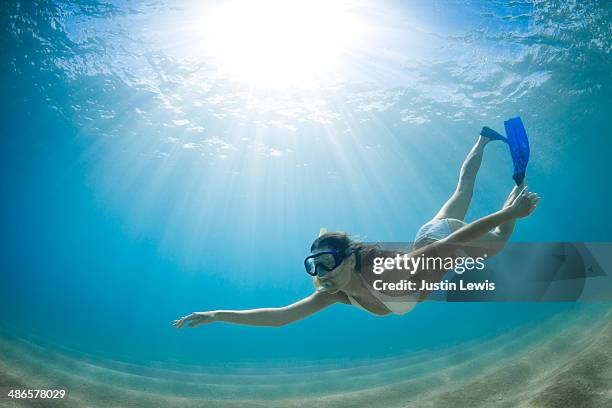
pixel 565 361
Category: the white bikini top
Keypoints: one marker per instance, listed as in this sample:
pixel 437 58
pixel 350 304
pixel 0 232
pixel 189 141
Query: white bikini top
pixel 398 305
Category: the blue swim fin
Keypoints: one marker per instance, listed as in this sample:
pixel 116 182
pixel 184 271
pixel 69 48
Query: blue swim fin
pixel 491 134
pixel 519 147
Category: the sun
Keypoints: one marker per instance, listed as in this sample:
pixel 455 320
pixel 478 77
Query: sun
pixel 275 44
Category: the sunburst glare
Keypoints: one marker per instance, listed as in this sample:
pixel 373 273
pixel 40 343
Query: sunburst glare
pixel 277 44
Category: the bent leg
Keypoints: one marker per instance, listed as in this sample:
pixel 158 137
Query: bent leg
pixel 457 205
pixel 490 244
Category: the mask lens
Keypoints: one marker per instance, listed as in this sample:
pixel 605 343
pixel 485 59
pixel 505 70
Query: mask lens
pixel 321 263
pixel 326 261
pixel 311 266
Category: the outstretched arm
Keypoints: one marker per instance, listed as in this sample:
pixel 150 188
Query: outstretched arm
pixel 523 205
pixel 275 317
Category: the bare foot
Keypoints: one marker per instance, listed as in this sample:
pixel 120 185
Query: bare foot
pixel 524 204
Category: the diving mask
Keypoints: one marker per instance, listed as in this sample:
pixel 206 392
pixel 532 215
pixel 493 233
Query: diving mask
pixel 324 261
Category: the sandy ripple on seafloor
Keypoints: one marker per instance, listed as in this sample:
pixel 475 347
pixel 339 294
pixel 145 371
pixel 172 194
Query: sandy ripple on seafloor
pixel 564 362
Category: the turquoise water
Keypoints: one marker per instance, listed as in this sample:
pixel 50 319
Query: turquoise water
pixel 141 183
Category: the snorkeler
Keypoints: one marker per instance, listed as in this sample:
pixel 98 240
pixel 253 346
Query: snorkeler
pixel 336 260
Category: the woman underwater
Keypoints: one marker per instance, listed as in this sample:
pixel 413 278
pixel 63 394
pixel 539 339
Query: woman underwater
pixel 336 260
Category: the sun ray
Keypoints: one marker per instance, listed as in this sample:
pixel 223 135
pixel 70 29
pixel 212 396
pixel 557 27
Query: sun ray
pixel 277 44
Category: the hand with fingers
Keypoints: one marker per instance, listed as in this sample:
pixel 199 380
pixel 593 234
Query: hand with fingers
pixel 195 319
pixel 524 203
